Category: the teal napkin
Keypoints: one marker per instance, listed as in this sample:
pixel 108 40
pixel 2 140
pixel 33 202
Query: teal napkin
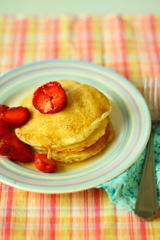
pixel 123 189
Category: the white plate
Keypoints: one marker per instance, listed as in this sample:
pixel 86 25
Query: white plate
pixel 130 118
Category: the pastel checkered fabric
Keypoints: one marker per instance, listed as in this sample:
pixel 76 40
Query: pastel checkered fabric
pixel 130 45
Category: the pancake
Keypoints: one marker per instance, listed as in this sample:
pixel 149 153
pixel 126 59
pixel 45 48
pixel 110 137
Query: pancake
pixel 86 153
pixel 79 131
pixel 76 122
pixel 98 132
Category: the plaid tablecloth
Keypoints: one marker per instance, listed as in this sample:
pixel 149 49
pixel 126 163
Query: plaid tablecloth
pixel 130 45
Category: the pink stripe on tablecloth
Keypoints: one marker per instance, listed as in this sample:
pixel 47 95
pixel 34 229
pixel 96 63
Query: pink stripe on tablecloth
pixel 81 38
pixel 155 37
pixel 41 217
pixel 115 219
pixel 13 34
pixel 53 216
pixel 71 215
pixel 84 33
pixel 56 38
pixel 147 37
pixel 112 21
pixel 121 27
pixel 131 230
pixel 26 217
pixel 143 230
pixel 22 43
pixel 97 214
pixel 86 216
pixel 89 38
pixel 8 217
pixel 155 45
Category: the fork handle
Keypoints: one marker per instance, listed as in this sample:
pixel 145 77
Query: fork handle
pixel 147 205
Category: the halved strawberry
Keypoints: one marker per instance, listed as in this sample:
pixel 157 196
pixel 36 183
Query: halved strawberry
pixel 43 163
pixel 4 129
pixel 16 116
pixel 17 150
pixel 4 149
pixel 3 108
pixel 50 98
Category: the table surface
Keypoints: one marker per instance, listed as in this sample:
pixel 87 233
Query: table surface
pixel 129 45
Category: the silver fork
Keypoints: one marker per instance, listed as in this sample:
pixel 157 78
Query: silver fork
pixel 147 205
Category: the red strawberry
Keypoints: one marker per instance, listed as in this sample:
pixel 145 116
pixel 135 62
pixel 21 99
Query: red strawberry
pixel 4 149
pixel 17 150
pixel 43 163
pixel 16 116
pixel 3 108
pixel 50 98
pixel 4 129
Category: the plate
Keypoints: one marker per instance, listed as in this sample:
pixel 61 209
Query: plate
pixel 130 118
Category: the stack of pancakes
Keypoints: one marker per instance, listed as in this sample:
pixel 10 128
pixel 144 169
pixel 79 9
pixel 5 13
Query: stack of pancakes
pixel 79 131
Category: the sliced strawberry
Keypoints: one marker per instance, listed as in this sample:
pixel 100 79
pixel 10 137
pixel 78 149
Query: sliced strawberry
pixel 43 163
pixel 16 116
pixel 4 149
pixel 49 98
pixel 17 150
pixel 3 108
pixel 4 129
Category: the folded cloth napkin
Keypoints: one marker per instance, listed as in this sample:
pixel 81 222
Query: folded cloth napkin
pixel 123 189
